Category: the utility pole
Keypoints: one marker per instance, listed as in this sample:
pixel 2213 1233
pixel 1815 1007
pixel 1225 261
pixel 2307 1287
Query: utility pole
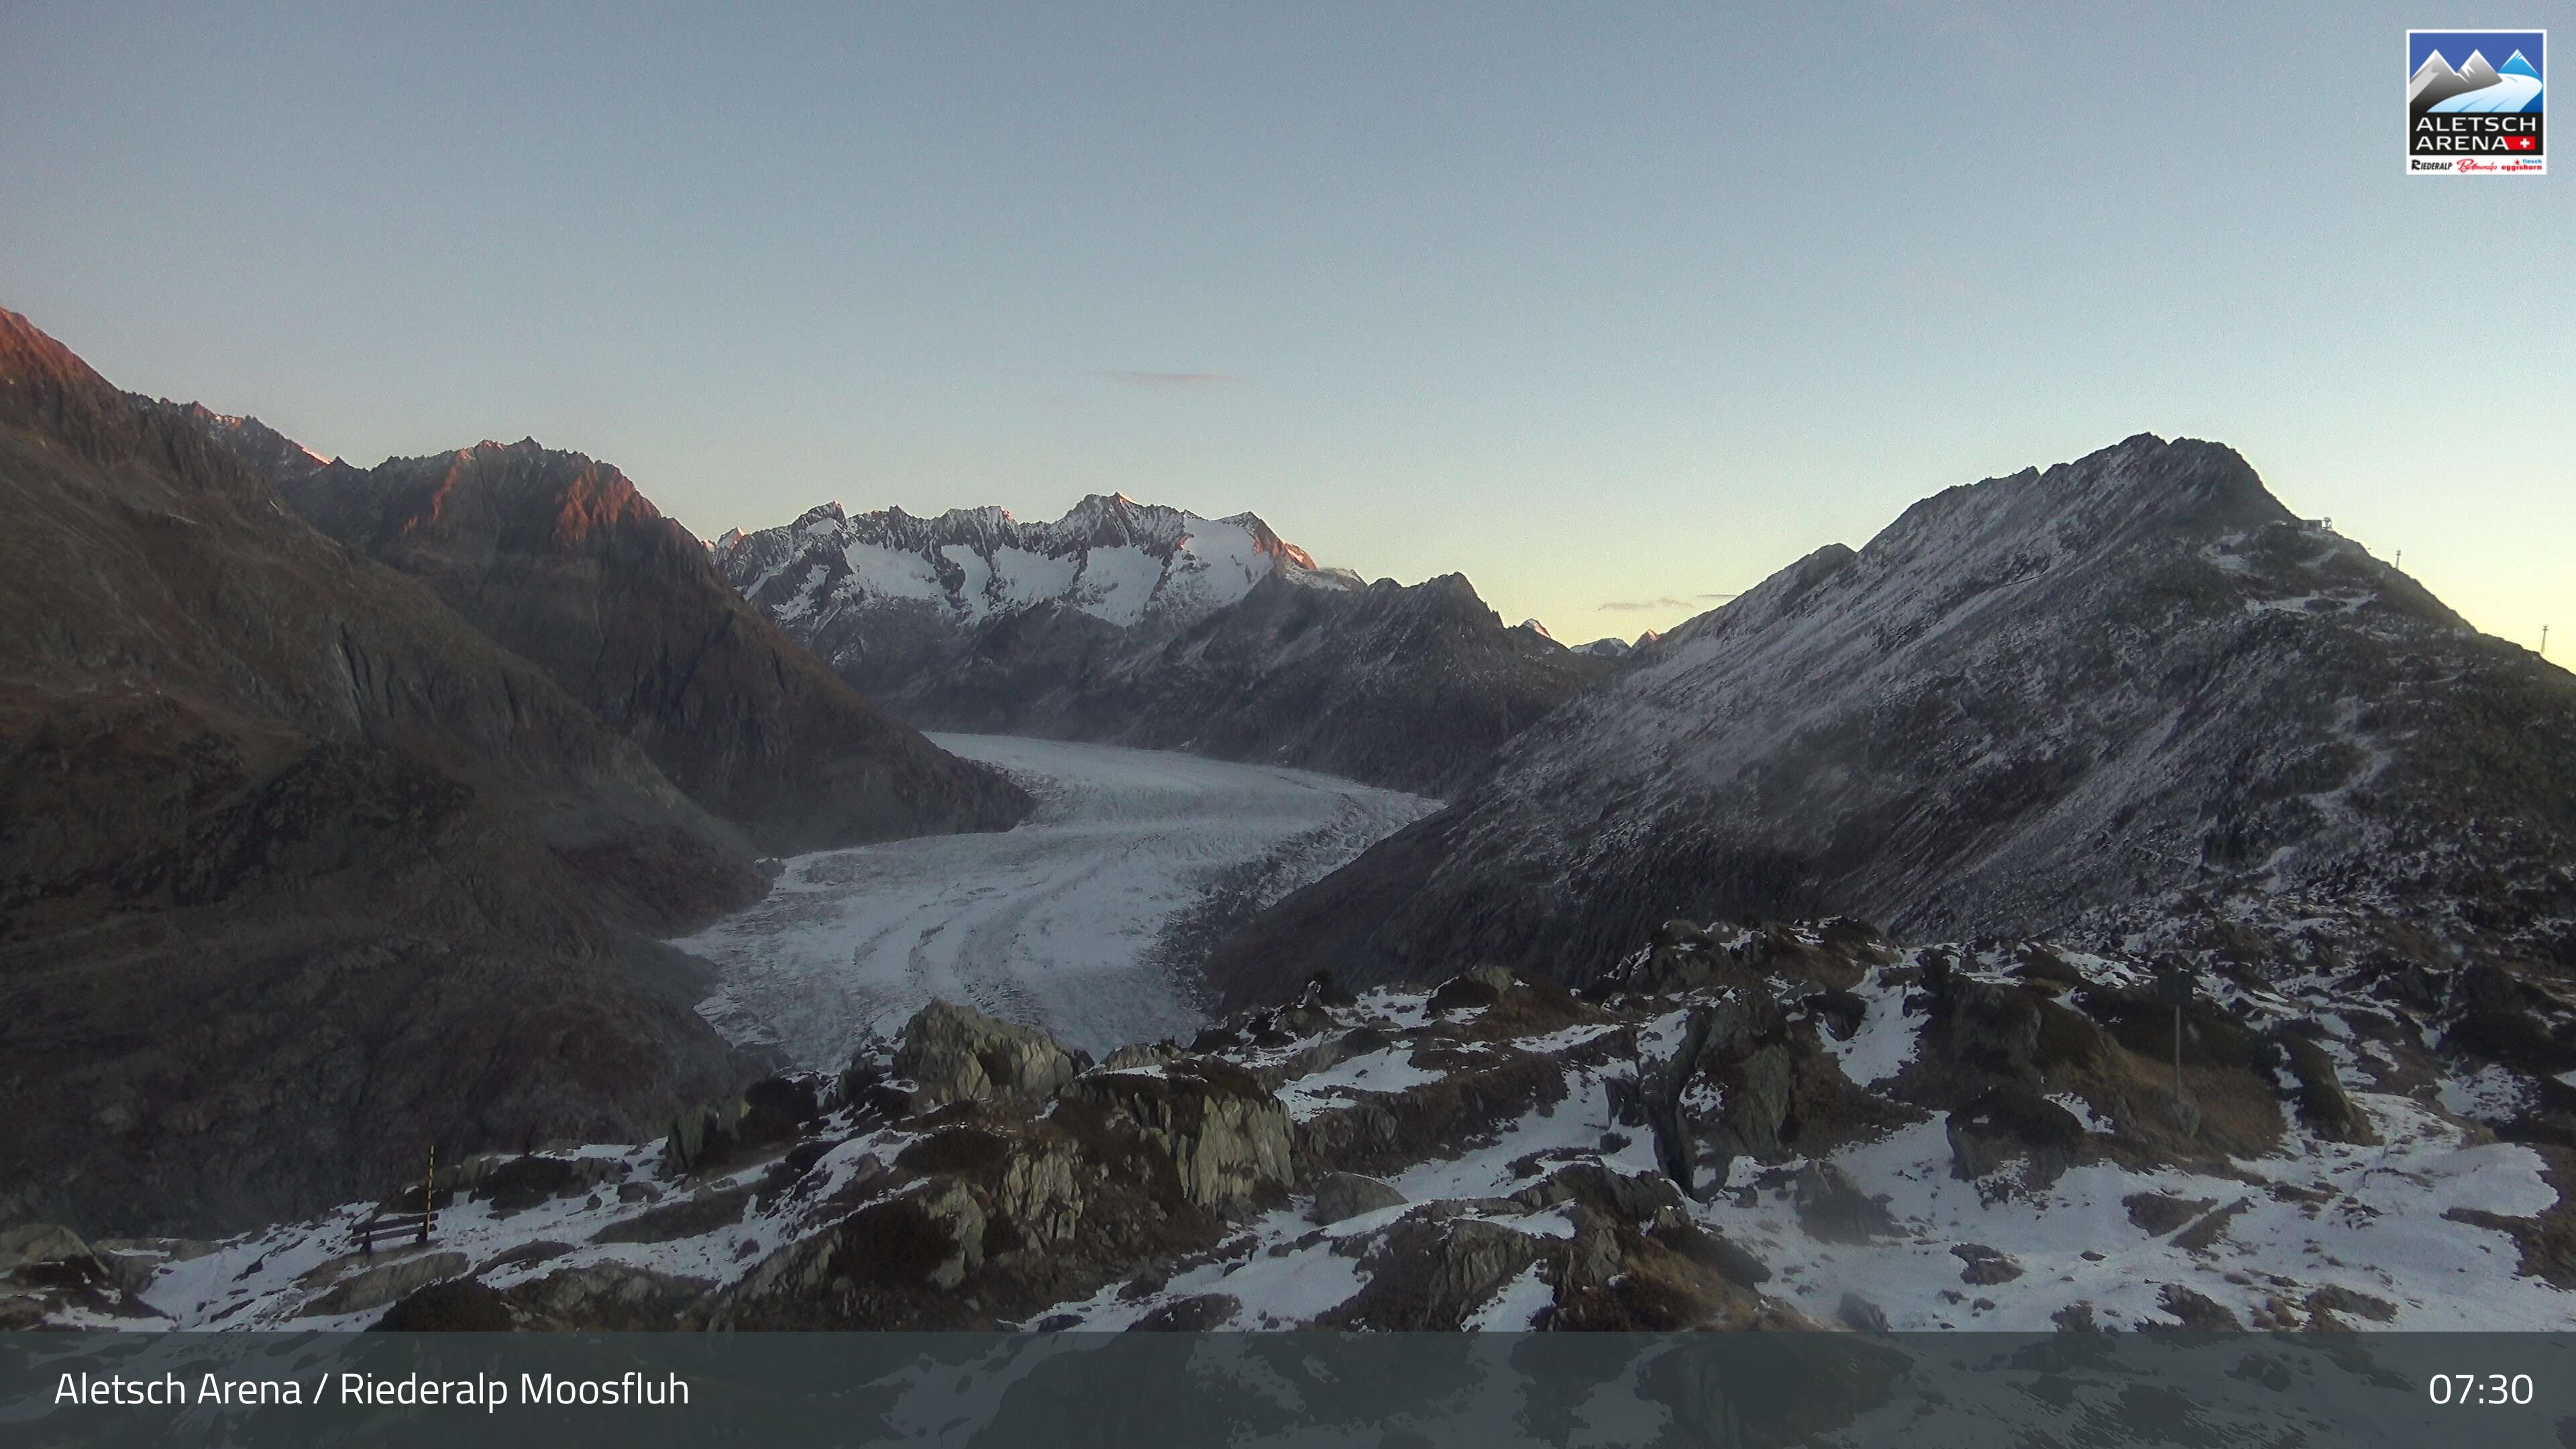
pixel 2173 983
pixel 2544 641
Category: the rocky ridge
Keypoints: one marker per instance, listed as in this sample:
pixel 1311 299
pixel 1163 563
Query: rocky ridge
pixel 563 561
pixel 1789 1125
pixel 2069 702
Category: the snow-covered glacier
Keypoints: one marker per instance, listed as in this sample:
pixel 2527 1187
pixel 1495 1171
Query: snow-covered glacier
pixel 1069 922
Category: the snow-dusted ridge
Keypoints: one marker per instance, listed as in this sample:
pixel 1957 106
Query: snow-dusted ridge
pixel 1110 557
pixel 2026 706
pixel 1137 624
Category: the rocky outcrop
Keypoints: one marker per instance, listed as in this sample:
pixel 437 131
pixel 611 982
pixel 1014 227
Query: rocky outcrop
pixel 1427 1274
pixel 561 560
pixel 1340 1195
pixel 372 1288
pixel 299 874
pixel 954 1053
pixel 1144 1194
pixel 1722 1093
pixel 2013 1125
pixel 1225 1138
pixel 50 1277
pixel 2323 1104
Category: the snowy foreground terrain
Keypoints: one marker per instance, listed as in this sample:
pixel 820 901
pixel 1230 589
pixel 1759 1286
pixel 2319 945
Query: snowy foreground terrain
pixel 1060 923
pixel 1502 1155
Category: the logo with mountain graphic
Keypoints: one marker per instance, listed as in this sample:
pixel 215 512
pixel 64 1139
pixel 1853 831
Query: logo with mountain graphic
pixel 2473 102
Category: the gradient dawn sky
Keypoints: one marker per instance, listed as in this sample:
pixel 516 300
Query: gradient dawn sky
pixel 1614 308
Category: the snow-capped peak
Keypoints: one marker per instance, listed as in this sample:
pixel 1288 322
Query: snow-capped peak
pixel 1109 556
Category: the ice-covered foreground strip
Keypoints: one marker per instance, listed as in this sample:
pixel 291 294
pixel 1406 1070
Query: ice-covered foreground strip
pixel 1056 923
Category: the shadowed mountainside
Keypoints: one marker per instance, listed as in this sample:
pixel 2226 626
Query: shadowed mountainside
pixel 559 559
pixel 298 872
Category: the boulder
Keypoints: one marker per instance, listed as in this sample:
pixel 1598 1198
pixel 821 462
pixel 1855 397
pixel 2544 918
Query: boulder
pixel 1141 1054
pixel 1640 1199
pixel 1860 1315
pixel 792 1098
pixel 614 1297
pixel 2323 1104
pixel 1195 1314
pixel 373 1288
pixel 459 1305
pixel 955 1053
pixel 1984 1266
pixel 2012 1124
pixel 1429 1275
pixel 1223 1134
pixel 1833 1209
pixel 34 1245
pixel 1989 1030
pixel 523 1182
pixel 1683 958
pixel 1724 1093
pixel 1340 1195
pixel 702 1137
pixel 1480 985
pixel 894 1261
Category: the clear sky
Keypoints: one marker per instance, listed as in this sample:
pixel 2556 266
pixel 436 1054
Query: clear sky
pixel 1604 305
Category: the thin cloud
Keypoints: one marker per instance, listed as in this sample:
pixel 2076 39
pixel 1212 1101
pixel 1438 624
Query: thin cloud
pixel 1171 380
pixel 1668 601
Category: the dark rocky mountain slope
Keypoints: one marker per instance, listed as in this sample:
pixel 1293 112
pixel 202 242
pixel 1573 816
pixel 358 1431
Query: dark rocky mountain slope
pixel 560 559
pixel 1135 624
pixel 2029 705
pixel 298 871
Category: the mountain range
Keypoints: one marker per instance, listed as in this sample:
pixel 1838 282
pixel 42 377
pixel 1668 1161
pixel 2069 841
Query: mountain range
pixel 2104 891
pixel 1137 624
pixel 2040 703
pixel 301 869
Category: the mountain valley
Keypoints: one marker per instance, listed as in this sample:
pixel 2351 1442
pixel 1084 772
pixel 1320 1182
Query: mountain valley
pixel 2104 900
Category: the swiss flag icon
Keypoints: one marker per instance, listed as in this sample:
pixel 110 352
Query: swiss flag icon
pixel 2521 143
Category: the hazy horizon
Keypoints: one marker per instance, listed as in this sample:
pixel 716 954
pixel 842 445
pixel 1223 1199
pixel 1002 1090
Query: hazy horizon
pixel 1601 309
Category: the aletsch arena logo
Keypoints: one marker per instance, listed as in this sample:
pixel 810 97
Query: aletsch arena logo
pixel 2473 102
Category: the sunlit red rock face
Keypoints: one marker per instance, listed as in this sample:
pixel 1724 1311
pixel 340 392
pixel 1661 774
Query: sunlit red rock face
pixel 559 558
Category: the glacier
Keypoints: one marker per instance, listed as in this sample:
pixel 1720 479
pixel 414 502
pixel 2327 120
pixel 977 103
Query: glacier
pixel 1058 923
